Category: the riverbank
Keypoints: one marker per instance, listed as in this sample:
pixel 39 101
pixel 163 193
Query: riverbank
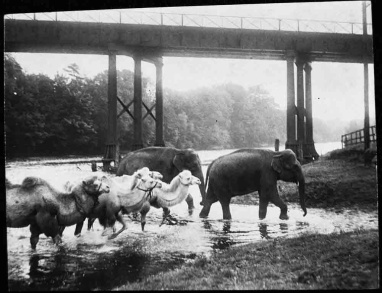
pixel 304 262
pixel 298 263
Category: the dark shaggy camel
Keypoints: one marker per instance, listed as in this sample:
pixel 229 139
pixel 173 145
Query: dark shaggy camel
pixel 36 203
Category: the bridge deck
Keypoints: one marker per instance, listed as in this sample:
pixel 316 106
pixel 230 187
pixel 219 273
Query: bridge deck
pixel 153 40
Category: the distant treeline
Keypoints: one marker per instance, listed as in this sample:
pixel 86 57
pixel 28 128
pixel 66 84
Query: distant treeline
pixel 68 115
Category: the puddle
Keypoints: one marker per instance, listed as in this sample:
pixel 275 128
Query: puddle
pixel 92 262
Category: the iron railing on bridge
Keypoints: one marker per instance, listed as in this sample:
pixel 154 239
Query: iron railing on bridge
pixel 357 137
pixel 197 20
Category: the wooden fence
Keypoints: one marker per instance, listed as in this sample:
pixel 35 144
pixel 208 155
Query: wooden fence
pixel 357 137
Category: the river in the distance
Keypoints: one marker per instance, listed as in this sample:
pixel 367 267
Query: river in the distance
pixel 91 261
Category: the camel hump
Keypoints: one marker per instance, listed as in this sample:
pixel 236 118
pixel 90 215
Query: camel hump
pixel 30 182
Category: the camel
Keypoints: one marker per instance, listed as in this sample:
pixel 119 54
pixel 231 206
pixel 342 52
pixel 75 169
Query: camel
pixel 36 203
pixel 126 192
pixel 113 205
pixel 165 195
pixel 171 194
pixel 122 200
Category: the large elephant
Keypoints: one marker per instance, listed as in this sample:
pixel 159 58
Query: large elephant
pixel 249 170
pixel 169 162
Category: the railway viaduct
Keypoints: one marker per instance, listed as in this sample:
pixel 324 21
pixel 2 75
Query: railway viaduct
pixel 148 42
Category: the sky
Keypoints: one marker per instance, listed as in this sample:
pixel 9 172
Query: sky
pixel 337 88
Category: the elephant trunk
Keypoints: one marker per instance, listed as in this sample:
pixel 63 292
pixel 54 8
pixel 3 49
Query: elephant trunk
pixel 205 210
pixel 301 190
pixel 199 174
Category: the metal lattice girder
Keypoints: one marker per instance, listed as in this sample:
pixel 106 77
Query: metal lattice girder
pixel 148 111
pixel 157 18
pixel 126 109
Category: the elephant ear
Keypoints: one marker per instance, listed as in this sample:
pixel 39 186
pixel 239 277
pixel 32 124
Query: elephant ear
pixel 276 163
pixel 179 162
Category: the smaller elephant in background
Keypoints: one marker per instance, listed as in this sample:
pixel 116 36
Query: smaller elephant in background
pixel 248 170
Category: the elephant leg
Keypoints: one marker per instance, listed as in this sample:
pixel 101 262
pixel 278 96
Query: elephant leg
pixel 35 233
pixel 225 207
pixel 144 210
pixel 77 231
pixel 90 223
pixel 276 200
pixel 120 219
pixel 263 205
pixel 190 203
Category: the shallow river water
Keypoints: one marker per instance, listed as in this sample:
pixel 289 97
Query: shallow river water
pixel 91 261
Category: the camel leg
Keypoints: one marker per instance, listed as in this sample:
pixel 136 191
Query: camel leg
pixel 166 213
pixel 57 239
pixel 144 210
pixel 61 230
pixel 108 221
pixel 48 224
pixel 35 233
pixel 122 221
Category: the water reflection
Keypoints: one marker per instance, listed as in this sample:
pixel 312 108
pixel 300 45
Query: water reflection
pixel 263 229
pixel 227 226
pixel 283 228
pixel 84 269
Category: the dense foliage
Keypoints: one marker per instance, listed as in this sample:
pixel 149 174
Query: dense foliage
pixel 68 114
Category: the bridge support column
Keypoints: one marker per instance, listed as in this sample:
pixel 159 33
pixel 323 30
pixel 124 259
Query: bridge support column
pixel 291 142
pixel 111 148
pixel 309 149
pixel 300 109
pixel 366 126
pixel 159 141
pixel 137 104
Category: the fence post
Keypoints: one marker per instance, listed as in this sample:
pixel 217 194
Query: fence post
pixel 277 144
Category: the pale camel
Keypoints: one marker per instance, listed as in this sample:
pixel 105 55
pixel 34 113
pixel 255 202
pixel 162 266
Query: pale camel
pixel 171 194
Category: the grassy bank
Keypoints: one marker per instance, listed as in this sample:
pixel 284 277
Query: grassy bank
pixel 298 263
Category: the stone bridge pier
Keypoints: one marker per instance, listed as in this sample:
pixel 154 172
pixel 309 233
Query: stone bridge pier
pixel 299 108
